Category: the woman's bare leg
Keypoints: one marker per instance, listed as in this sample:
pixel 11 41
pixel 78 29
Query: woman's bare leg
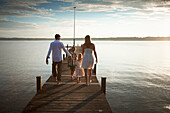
pixel 85 70
pixel 89 75
pixel 79 79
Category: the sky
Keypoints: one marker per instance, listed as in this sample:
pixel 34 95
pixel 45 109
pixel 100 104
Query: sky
pixel 97 18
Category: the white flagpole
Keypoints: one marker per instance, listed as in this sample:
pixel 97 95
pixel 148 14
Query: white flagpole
pixel 74 28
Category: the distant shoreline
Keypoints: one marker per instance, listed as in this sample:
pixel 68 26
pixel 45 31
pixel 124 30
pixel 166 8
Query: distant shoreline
pixel 97 39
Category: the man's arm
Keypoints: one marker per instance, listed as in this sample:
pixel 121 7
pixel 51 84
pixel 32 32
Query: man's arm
pixel 65 50
pixel 49 52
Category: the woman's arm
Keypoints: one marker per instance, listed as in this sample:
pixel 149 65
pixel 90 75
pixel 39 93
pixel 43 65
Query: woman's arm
pixel 95 53
pixel 83 50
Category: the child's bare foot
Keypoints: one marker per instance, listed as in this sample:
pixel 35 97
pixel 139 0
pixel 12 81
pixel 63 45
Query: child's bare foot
pixel 72 78
pixel 90 81
pixel 55 79
pixel 58 82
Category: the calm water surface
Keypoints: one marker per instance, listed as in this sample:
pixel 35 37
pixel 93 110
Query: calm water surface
pixel 138 74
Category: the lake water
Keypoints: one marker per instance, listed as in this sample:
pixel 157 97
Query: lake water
pixel 138 74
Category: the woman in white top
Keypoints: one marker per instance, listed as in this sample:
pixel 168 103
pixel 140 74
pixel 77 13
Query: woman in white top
pixel 88 59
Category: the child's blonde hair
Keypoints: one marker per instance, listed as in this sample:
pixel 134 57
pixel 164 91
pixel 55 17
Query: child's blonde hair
pixel 79 56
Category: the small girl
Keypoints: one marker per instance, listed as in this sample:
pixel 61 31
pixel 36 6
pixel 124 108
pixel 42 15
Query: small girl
pixel 79 70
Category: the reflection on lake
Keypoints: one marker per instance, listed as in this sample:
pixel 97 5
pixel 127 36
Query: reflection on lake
pixel 138 74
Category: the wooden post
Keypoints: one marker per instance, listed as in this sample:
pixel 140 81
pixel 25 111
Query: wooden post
pixel 94 70
pixel 103 84
pixel 39 82
pixel 64 57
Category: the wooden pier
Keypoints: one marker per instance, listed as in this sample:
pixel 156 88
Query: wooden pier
pixel 68 96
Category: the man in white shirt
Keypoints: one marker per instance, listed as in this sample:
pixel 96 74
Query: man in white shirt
pixel 56 48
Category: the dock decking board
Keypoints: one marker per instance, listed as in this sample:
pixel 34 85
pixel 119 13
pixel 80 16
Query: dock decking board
pixel 68 96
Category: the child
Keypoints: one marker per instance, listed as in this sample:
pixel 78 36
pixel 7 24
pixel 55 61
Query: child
pixel 71 61
pixel 79 70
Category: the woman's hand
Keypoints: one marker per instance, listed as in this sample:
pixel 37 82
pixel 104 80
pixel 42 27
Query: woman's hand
pixel 96 61
pixel 47 61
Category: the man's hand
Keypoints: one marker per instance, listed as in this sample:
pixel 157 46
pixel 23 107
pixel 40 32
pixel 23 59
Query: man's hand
pixel 47 60
pixel 69 57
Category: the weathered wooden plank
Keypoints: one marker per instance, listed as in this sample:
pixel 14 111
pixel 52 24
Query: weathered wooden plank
pixel 68 96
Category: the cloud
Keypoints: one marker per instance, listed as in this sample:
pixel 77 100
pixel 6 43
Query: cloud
pixel 65 0
pixel 46 29
pixel 96 2
pixel 21 8
pixel 5 24
pixel 144 6
pixel 116 17
pixel 32 30
pixel 3 19
pixel 71 21
pixel 144 9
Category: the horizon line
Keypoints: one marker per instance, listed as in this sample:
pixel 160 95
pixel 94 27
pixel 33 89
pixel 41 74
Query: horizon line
pixel 104 39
